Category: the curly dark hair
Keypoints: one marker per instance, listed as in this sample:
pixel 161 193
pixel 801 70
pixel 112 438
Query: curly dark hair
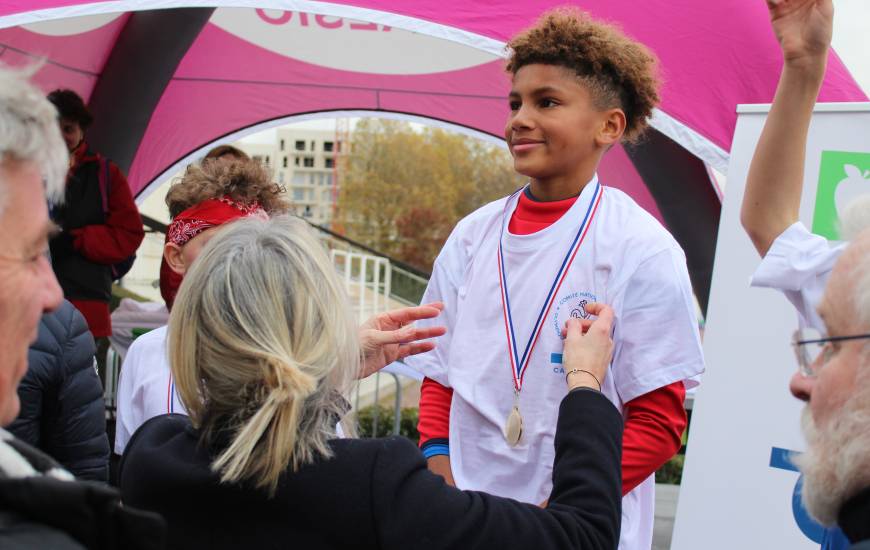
pixel 618 71
pixel 245 181
pixel 71 107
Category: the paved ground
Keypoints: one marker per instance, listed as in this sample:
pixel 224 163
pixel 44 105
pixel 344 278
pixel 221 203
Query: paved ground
pixel 666 509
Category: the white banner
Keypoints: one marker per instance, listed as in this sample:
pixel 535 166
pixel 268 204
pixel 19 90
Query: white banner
pixel 738 487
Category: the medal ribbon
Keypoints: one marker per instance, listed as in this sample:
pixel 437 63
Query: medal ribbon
pixel 170 394
pixel 520 363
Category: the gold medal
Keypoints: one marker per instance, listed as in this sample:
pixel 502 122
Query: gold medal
pixel 513 428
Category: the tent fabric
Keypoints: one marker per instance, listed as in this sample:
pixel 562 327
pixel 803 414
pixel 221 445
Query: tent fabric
pixel 257 62
pixel 714 55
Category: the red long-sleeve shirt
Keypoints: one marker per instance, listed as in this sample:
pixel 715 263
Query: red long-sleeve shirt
pixel 654 422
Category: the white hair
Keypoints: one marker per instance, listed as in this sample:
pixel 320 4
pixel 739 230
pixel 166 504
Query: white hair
pixel 29 130
pixel 855 218
pixel 855 226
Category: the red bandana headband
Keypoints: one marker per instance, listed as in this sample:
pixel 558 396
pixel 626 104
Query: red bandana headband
pixel 192 222
pixel 208 214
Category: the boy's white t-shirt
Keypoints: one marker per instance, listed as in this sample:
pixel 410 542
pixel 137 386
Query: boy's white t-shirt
pixel 145 388
pixel 628 261
pixel 799 264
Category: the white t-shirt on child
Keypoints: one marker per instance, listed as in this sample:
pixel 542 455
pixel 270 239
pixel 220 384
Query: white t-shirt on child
pixel 145 387
pixel 628 261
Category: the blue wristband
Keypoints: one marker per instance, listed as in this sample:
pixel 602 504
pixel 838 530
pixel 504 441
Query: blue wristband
pixel 435 447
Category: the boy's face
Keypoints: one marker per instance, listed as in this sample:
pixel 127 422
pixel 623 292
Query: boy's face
pixel 554 130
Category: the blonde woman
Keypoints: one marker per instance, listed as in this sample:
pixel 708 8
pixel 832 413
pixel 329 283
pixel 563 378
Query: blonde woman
pixel 263 346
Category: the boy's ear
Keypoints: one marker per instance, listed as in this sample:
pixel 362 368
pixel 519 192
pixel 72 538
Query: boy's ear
pixel 174 259
pixel 612 127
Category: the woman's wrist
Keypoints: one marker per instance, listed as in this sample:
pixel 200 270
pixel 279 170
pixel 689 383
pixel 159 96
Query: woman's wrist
pixel 581 378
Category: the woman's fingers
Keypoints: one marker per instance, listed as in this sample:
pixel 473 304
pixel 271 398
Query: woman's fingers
pixel 589 352
pixel 407 315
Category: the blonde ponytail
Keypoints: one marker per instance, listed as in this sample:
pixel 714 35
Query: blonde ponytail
pixel 262 345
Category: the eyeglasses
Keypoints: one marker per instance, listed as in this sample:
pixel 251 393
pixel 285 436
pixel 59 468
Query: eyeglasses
pixel 813 351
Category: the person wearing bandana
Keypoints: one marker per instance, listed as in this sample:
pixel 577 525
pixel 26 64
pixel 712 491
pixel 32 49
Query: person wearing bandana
pixel 219 190
pixel 209 195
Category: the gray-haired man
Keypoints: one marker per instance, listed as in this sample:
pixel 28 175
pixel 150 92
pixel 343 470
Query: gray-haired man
pixel 41 504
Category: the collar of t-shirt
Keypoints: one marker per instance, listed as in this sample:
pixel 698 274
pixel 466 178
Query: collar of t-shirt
pixel 532 215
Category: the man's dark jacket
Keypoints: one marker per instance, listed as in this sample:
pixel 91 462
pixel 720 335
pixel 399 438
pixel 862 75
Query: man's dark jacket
pixel 62 407
pixel 854 520
pixel 93 237
pixel 42 506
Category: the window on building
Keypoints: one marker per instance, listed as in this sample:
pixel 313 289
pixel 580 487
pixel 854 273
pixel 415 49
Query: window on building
pixel 327 146
pixel 329 180
pixel 280 177
pixel 298 179
pixel 338 146
pixel 257 158
pixel 297 161
pixel 300 145
pixel 308 162
pixel 285 161
pixel 329 162
pixel 298 194
pixel 267 160
pixel 312 146
pixel 307 212
pixel 282 144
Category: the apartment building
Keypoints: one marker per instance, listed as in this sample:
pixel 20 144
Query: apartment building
pixel 304 163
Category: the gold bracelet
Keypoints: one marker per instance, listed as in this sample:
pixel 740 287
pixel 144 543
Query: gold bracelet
pixel 575 371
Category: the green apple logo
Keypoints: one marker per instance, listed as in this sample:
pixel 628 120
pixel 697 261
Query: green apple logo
pixel 843 176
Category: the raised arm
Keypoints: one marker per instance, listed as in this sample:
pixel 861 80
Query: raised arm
pixel 771 202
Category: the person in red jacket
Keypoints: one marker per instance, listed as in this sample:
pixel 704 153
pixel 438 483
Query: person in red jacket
pixel 99 222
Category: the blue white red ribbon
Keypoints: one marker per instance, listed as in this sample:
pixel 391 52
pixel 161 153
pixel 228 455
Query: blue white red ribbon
pixel 520 363
pixel 170 393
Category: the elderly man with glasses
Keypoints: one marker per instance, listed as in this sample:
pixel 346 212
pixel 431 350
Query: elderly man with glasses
pixel 828 285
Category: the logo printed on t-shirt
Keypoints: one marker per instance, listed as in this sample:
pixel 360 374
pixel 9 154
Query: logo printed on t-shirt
pixel 572 305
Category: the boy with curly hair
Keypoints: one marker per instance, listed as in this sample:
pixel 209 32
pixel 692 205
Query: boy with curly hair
pixel 515 270
pixel 216 191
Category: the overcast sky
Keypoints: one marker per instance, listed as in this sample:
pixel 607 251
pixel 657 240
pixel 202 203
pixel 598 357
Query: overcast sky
pixel 852 38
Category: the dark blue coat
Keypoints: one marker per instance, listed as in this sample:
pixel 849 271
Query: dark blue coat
pixel 62 408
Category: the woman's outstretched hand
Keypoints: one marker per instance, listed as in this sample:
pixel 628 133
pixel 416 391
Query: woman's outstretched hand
pixel 391 336
pixel 588 348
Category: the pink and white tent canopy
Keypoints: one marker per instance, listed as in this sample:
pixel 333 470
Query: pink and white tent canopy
pixel 166 78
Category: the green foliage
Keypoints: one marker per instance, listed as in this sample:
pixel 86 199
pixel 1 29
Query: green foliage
pixel 402 190
pixel 407 422
pixel 672 471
